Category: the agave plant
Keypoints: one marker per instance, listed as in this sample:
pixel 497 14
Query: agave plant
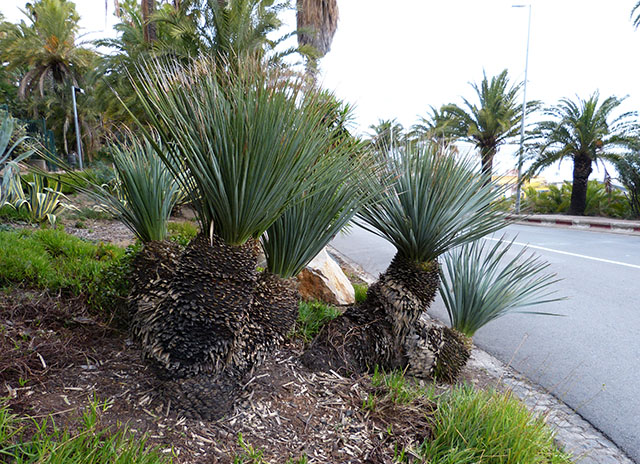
pixel 250 142
pixel 11 186
pixel 435 203
pixel 480 282
pixel 42 201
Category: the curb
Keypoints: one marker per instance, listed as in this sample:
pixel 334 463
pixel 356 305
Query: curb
pixel 572 432
pixel 618 226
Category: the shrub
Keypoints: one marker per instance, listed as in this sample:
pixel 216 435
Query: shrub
pixel 52 259
pixel 599 202
pixel 629 170
pixel 481 282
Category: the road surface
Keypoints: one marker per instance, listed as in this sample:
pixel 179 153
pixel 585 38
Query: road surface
pixel 590 357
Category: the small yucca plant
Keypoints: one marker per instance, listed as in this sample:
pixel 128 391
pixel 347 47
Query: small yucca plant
pixel 144 192
pixel 434 202
pixel 482 281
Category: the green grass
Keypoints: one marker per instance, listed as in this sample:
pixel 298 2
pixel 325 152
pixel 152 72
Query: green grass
pixel 8 213
pixel 182 232
pixel 53 260
pixel 27 441
pixel 312 316
pixel 474 426
pixel 361 292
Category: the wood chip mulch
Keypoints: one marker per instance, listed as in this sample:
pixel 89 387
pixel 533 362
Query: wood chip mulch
pixel 55 358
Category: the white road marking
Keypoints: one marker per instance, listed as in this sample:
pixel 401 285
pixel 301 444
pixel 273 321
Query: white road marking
pixel 602 260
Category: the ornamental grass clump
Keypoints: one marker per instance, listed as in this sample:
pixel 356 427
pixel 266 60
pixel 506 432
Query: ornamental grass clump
pixel 482 281
pixel 434 202
pixel 254 143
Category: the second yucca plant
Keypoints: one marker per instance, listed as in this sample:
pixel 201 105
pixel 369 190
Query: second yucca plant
pixel 252 143
pixel 435 202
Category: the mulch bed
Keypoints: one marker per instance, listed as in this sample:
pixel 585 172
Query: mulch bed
pixel 55 357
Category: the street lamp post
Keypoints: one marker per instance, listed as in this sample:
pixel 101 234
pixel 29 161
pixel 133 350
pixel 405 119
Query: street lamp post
pixel 524 111
pixel 74 89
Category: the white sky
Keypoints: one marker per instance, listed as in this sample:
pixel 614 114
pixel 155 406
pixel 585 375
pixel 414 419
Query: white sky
pixel 394 59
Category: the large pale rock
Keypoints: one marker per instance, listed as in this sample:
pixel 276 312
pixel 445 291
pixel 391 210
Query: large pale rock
pixel 323 280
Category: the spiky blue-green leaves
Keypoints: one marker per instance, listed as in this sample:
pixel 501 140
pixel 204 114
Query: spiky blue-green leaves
pixel 484 280
pixel 436 202
pixel 249 139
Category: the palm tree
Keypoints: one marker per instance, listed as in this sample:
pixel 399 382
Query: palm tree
pixel 586 132
pixel 493 120
pixel 45 46
pixel 438 126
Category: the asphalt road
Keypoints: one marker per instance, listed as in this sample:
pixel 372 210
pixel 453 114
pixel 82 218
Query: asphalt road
pixel 589 357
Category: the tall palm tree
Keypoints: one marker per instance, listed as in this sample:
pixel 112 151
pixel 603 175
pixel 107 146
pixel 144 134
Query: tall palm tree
pixel 45 46
pixel 317 23
pixel 438 126
pixel 587 132
pixel 493 120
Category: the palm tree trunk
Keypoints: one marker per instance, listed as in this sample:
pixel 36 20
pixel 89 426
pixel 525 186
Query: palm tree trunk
pixel 581 171
pixel 148 7
pixel 487 154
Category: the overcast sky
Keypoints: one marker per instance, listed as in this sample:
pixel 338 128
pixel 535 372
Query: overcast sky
pixel 394 59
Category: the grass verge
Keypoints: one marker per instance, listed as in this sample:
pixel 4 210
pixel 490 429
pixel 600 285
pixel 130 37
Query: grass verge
pixel 27 441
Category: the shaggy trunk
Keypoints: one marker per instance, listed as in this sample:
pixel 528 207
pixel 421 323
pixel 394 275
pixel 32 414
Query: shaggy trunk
pixel 195 325
pixel 271 317
pixel 387 329
pixel 151 270
pixel 206 317
pixel 581 172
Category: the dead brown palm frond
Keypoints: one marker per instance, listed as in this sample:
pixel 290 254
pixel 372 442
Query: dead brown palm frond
pixel 317 23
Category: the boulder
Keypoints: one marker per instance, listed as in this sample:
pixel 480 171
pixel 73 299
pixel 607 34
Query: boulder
pixel 323 280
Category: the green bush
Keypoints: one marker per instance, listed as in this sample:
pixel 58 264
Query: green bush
pixel 360 292
pixel 27 441
pixel 51 259
pixel 556 200
pixel 472 426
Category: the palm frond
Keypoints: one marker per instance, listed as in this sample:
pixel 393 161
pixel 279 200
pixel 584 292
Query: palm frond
pixel 480 283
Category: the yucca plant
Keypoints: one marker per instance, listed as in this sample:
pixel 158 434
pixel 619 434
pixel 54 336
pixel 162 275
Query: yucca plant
pixel 435 203
pixel 144 192
pixel 482 281
pixel 250 142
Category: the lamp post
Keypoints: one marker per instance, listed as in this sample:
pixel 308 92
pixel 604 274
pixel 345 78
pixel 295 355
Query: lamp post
pixel 524 110
pixel 74 89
